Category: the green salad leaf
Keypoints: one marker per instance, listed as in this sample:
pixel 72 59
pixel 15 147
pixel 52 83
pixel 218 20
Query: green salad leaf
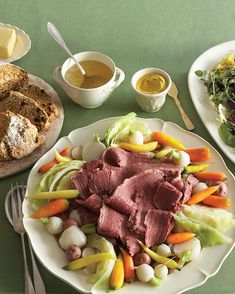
pixel 207 235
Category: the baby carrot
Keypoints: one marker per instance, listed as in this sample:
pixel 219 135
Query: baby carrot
pixel 52 208
pixel 176 238
pixel 198 154
pixel 200 196
pixel 45 167
pixel 210 176
pixel 217 201
pixel 166 140
pixel 129 269
pixel 117 276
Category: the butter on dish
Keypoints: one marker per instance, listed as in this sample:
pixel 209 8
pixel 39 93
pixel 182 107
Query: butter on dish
pixel 7 42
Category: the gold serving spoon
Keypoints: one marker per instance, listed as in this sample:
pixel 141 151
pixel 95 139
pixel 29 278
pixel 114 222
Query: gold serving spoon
pixel 173 93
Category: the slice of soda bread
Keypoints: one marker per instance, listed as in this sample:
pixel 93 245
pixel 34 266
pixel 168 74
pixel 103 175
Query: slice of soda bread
pixel 11 78
pixel 18 136
pixel 27 107
pixel 42 98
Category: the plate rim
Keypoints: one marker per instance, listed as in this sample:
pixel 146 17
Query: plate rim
pixel 223 147
pixel 232 245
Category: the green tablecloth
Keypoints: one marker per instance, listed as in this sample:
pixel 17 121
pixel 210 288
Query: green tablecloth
pixel 136 34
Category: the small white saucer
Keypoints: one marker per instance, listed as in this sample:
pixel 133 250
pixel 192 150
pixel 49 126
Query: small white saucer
pixel 22 46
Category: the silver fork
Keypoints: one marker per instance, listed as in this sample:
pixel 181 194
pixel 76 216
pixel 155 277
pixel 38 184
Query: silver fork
pixel 13 210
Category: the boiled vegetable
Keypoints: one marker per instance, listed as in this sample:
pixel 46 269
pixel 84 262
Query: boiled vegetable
pixel 88 260
pixel 182 159
pixel 200 186
pixel 52 208
pixel 65 194
pixel 176 238
pixel 192 248
pixel 210 176
pixel 200 196
pixel 220 219
pixel 72 236
pixel 217 201
pixel 45 167
pixel 129 269
pixel 144 273
pixel 199 154
pixel 158 258
pixel 117 275
pixel 166 140
pixel 207 235
pixel 136 138
pixel 161 271
pixel 54 225
pixel 139 148
pixel 196 168
pixel 119 128
pixel 164 250
pixel 93 149
pixel 61 158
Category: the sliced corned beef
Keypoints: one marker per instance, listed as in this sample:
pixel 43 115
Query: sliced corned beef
pixel 189 183
pixel 143 204
pixel 93 202
pixel 120 157
pixel 80 182
pixel 130 239
pixel 178 183
pixel 167 197
pixel 158 226
pixel 86 215
pixel 81 179
pixel 142 183
pixel 110 222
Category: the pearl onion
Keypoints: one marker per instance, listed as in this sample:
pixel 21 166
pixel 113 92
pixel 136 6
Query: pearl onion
pixel 144 272
pixel 161 271
pixel 199 187
pixel 136 138
pixel 54 225
pixel 76 152
pixel 164 250
pixel 75 215
pixel 183 160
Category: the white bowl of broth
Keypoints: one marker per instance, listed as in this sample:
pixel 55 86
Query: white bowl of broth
pixel 91 90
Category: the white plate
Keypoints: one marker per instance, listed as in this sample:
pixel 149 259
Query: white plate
pixel 199 95
pixel 53 258
pixel 22 46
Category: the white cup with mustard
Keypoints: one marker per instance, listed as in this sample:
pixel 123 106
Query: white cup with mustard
pixel 89 91
pixel 151 86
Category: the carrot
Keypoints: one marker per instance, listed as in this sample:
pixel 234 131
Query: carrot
pixel 117 276
pixel 167 140
pixel 176 238
pixel 52 208
pixel 45 167
pixel 198 154
pixel 200 196
pixel 129 269
pixel 210 176
pixel 217 201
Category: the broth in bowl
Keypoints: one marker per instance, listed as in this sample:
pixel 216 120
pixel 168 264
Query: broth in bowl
pixel 97 74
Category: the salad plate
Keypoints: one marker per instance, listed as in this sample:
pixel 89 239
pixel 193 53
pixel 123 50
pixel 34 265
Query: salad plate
pixel 22 46
pixel 52 256
pixel 206 61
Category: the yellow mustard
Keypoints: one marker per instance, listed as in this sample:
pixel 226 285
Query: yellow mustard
pixel 151 83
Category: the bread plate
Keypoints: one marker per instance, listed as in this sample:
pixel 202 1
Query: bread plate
pixel 53 257
pixel 22 46
pixel 11 167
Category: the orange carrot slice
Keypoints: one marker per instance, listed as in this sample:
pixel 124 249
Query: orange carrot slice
pixel 217 201
pixel 52 208
pixel 129 269
pixel 167 140
pixel 200 196
pixel 45 167
pixel 198 154
pixel 117 276
pixel 176 238
pixel 210 176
